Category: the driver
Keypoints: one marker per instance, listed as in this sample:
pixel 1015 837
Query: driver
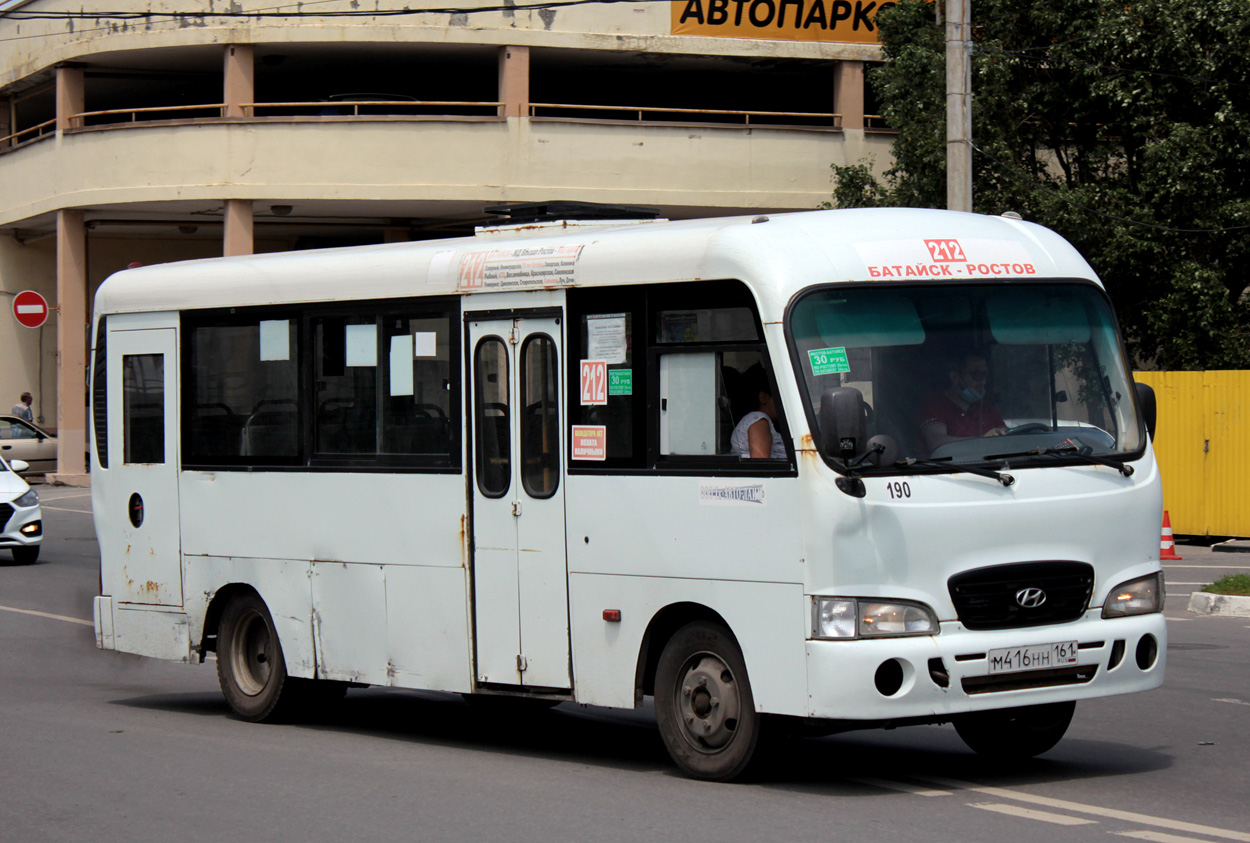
pixel 960 411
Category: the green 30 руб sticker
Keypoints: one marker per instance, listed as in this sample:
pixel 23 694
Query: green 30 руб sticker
pixel 828 361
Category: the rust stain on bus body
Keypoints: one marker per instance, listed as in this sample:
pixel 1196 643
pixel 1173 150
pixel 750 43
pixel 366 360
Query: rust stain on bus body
pixel 807 450
pixel 464 543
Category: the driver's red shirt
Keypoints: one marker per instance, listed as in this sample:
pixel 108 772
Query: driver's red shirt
pixel 974 421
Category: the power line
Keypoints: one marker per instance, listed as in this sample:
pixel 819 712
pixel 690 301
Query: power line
pixel 276 12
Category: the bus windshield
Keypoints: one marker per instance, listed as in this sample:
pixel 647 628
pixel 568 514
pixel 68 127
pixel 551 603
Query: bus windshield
pixel 974 373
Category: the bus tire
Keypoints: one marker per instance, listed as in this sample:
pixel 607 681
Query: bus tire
pixel 250 665
pixel 703 703
pixel 1015 733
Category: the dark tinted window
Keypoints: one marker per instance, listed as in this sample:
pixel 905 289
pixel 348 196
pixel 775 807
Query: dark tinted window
pixel 540 417
pixel 143 407
pixel 491 417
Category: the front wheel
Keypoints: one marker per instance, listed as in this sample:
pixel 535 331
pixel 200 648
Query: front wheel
pixel 1015 733
pixel 250 666
pixel 26 555
pixel 703 703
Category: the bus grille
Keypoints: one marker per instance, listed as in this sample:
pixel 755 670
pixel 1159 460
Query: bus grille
pixel 1075 675
pixel 6 512
pixel 989 598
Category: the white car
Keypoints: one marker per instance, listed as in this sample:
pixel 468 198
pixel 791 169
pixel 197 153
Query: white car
pixel 21 520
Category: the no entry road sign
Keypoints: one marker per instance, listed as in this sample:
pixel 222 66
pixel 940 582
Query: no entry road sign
pixel 30 308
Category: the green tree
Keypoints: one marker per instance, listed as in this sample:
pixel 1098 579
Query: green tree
pixel 1122 124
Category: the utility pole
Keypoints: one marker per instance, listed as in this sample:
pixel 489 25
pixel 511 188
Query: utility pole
pixel 958 106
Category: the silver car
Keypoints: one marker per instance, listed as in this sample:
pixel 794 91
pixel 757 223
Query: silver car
pixel 21 520
pixel 27 441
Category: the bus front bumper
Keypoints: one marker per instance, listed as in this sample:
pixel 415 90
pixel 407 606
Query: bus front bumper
pixel 950 673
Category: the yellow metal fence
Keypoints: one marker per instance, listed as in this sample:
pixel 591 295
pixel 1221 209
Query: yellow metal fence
pixel 1203 446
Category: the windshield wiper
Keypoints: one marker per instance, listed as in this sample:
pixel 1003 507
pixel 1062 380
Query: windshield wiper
pixel 1069 451
pixel 945 463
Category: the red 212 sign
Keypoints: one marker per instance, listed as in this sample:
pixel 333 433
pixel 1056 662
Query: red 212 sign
pixel 945 251
pixel 594 382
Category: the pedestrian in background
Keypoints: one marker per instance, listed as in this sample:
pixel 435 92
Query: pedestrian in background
pixel 22 408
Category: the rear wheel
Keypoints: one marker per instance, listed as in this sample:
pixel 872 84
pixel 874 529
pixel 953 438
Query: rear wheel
pixel 1015 733
pixel 26 555
pixel 250 666
pixel 703 703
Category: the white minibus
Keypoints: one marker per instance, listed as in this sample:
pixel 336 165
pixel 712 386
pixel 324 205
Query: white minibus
pixel 814 471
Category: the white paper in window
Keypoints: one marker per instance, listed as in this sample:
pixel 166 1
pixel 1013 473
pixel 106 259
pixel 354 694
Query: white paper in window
pixel 401 365
pixel 606 337
pixel 275 339
pixel 362 345
pixel 426 344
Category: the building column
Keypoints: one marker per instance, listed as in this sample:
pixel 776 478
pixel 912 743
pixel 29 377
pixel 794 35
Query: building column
pixel 514 81
pixel 238 239
pixel 71 96
pixel 848 94
pixel 71 339
pixel 240 79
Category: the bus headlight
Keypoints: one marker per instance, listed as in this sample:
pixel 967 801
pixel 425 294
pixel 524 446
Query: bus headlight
pixel 841 617
pixel 1135 597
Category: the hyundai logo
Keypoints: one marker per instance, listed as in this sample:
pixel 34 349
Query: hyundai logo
pixel 1030 598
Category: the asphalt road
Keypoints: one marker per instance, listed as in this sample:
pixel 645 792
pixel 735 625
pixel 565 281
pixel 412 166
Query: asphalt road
pixel 103 746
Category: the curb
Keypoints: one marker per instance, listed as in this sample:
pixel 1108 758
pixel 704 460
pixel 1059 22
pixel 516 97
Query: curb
pixel 1222 605
pixel 1233 546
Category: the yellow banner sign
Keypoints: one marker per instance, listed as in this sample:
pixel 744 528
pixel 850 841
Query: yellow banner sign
pixel 838 21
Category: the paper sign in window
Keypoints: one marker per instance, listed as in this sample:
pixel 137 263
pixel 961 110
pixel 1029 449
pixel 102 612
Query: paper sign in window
pixel 590 442
pixel 401 365
pixel 362 345
pixel 275 339
pixel 426 344
pixel 594 382
pixel 605 337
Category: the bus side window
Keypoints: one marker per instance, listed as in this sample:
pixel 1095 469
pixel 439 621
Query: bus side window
pixel 491 416
pixel 689 408
pixel 143 408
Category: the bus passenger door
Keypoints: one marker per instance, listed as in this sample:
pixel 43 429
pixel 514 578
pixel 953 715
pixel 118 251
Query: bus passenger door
pixel 143 542
pixel 520 573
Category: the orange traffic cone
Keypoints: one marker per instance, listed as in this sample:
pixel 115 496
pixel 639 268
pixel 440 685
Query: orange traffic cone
pixel 1167 546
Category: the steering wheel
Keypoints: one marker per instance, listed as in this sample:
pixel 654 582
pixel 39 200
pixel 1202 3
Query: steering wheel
pixel 1031 427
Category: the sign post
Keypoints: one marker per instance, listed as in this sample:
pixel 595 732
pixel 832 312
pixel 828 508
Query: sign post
pixel 30 309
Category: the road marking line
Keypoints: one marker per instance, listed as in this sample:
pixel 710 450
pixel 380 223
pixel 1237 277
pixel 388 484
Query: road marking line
pixel 1030 814
pixel 46 615
pixel 1177 619
pixel 1233 701
pixel 1097 810
pixel 1158 837
pixel 67 497
pixel 902 787
pixel 66 509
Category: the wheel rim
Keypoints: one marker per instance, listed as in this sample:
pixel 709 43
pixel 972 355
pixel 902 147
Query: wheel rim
pixel 708 704
pixel 250 653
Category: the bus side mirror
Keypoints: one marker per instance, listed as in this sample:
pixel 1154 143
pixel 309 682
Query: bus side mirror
pixel 1146 401
pixel 843 423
